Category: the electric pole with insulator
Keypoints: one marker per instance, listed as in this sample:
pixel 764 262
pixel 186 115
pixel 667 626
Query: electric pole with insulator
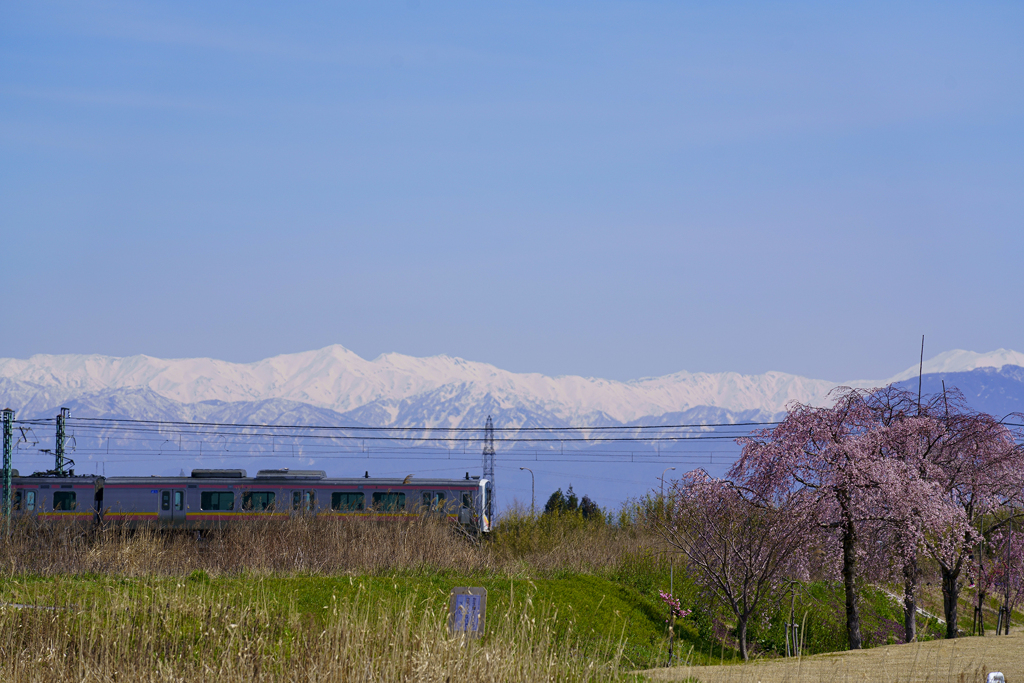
pixel 489 451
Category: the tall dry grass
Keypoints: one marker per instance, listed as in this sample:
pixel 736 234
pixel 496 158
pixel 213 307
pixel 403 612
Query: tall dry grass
pixel 311 544
pixel 318 544
pixel 186 629
pixel 181 632
pixel 567 542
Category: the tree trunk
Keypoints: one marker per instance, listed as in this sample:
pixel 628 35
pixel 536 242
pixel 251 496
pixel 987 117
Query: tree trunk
pixel 910 575
pixel 950 594
pixel 741 631
pixel 981 610
pixel 849 582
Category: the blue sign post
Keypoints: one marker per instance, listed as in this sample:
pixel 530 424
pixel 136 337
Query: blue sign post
pixel 467 608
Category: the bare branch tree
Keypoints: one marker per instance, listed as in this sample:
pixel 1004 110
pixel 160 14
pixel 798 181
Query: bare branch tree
pixel 736 545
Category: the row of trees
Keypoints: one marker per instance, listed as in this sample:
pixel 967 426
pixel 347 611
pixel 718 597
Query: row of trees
pixel 568 502
pixel 870 487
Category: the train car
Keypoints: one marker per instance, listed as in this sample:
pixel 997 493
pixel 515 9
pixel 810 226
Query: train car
pixel 66 496
pixel 214 498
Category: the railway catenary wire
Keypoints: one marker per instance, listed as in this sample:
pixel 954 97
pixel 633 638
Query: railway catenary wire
pixel 436 433
pixel 444 429
pixel 629 457
pixel 709 437
pixel 141 432
pixel 177 427
pixel 278 431
pixel 136 430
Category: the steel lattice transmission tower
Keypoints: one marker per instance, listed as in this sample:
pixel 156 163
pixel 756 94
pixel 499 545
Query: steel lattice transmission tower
pixel 60 461
pixel 8 427
pixel 489 451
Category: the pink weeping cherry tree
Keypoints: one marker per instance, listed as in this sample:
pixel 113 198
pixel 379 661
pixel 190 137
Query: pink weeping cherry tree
pixel 1000 569
pixel 1006 575
pixel 853 473
pixel 979 470
pixel 908 438
pixel 736 545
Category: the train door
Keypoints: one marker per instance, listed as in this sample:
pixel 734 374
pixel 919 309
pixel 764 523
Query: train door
pixel 172 505
pixel 178 505
pixel 304 500
pixel 164 513
pixel 24 500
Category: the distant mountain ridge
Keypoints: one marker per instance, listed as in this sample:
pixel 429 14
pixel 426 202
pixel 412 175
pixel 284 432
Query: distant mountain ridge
pixel 997 391
pixel 334 386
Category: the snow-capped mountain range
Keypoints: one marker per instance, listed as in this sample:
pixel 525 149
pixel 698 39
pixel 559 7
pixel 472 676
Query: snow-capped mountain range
pixel 335 386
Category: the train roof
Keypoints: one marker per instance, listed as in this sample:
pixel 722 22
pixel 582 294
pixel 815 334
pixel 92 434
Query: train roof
pixel 275 477
pixel 373 482
pixel 47 477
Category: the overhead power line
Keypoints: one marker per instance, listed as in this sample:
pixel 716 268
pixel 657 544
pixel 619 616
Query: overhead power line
pixel 552 435
pixel 409 429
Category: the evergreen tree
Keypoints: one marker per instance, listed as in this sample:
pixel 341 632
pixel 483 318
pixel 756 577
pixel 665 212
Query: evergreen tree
pixel 590 509
pixel 556 503
pixel 572 503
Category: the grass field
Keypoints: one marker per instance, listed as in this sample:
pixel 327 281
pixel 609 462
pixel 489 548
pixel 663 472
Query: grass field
pixel 600 617
pixel 282 629
pixel 361 599
pixel 326 599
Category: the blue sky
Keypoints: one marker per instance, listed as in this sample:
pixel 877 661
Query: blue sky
pixel 606 189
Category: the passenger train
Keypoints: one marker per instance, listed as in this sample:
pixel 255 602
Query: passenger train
pixel 211 498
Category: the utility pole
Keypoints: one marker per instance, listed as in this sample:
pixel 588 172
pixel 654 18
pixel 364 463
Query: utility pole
pixel 792 628
pixel 533 490
pixel 978 628
pixel 667 469
pixel 920 376
pixel 1006 604
pixel 8 433
pixel 671 611
pixel 59 460
pixel 489 451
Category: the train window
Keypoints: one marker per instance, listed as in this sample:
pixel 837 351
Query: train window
pixel 165 500
pixel 64 500
pixel 347 500
pixel 30 500
pixel 388 502
pixel 258 500
pixel 179 500
pixel 433 500
pixel 467 500
pixel 17 501
pixel 304 500
pixel 217 500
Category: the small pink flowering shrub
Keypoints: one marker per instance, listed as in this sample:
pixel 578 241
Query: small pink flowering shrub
pixel 675 608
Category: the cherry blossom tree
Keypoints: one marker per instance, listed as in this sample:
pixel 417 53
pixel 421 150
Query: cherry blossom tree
pixel 855 467
pixel 738 546
pixel 910 437
pixel 1008 568
pixel 976 472
pixel 979 470
pixel 910 475
pixel 1000 569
